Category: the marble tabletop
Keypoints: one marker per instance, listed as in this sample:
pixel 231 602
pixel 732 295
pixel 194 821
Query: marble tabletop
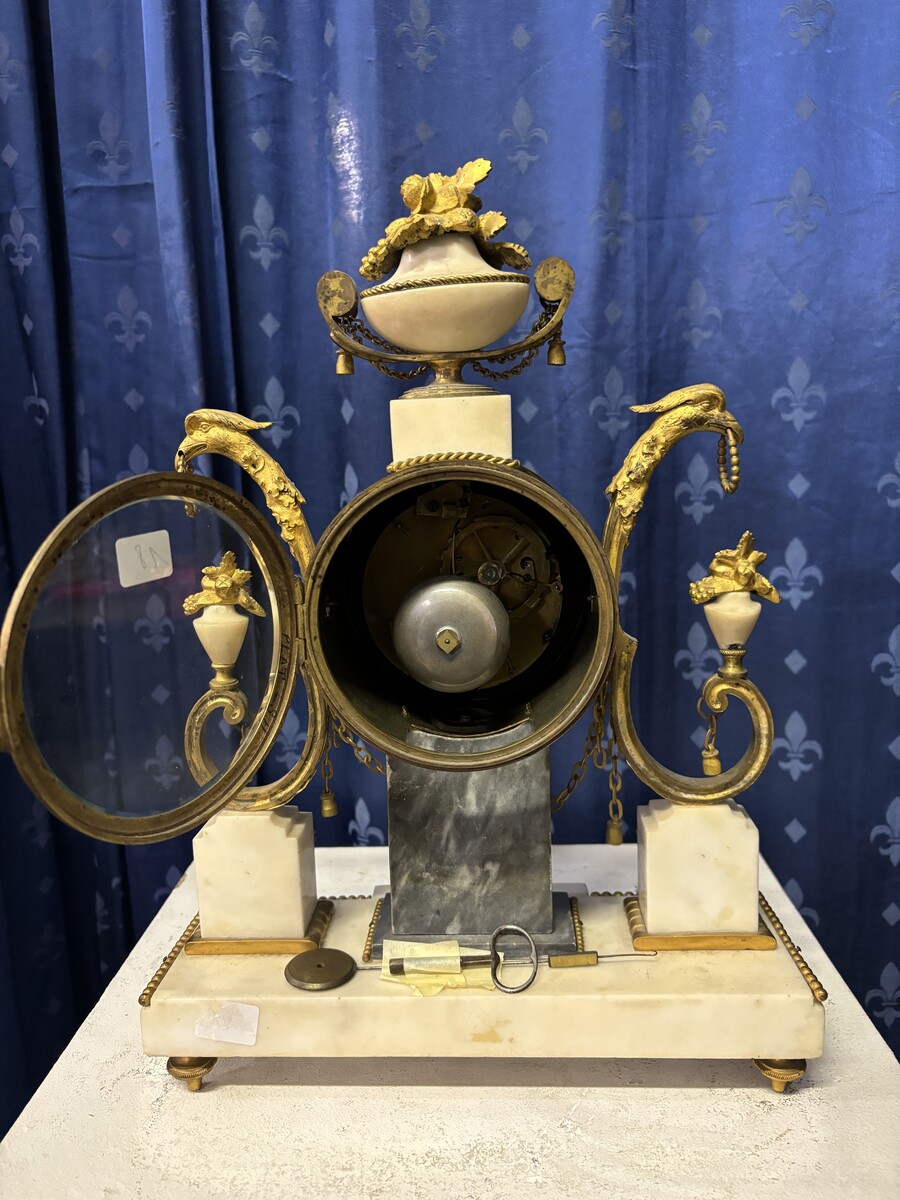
pixel 109 1122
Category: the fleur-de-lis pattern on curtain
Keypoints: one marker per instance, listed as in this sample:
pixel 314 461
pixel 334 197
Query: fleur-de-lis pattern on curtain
pixel 175 177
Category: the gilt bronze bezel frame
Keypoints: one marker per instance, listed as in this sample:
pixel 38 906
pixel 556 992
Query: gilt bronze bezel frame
pixel 282 587
pixel 519 481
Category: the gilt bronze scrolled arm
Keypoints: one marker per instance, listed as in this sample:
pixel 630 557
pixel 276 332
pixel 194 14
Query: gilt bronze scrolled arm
pixel 283 790
pixel 233 703
pixel 696 409
pixel 213 431
pixel 716 692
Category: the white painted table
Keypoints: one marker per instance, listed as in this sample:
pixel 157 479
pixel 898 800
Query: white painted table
pixel 108 1122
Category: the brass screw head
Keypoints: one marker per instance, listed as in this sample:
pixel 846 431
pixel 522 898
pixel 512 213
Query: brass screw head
pixel 490 573
pixel 447 640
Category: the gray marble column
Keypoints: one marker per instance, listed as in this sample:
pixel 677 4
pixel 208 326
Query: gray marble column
pixel 469 850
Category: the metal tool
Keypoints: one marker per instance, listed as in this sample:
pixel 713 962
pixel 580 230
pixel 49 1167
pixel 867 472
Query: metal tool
pixel 492 959
pixel 590 958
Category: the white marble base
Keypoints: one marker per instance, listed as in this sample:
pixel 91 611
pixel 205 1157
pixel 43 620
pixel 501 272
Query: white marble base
pixel 437 424
pixel 256 874
pixel 567 1129
pixel 698 868
pixel 680 1004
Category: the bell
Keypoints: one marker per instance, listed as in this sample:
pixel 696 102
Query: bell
pixel 711 764
pixel 327 802
pixel 556 354
pixel 613 833
pixel 344 364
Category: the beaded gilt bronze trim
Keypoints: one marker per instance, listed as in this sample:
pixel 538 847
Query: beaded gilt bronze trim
pixel 762 939
pixel 803 967
pixel 147 994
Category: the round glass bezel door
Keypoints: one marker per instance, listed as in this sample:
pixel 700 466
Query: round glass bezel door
pixel 276 588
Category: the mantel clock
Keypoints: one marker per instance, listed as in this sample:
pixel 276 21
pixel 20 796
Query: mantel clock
pixel 451 623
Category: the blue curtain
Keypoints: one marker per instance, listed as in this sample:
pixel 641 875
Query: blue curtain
pixel 175 176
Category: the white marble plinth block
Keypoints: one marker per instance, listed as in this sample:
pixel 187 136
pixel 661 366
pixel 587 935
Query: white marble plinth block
pixel 698 868
pixel 437 424
pixel 256 874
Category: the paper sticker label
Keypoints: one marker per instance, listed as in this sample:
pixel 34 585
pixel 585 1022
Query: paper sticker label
pixel 143 558
pixel 230 1022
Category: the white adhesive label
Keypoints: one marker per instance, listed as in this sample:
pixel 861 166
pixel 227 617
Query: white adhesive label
pixel 143 558
pixel 230 1022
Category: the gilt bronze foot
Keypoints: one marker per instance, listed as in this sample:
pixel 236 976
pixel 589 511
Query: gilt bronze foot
pixel 781 1071
pixel 190 1070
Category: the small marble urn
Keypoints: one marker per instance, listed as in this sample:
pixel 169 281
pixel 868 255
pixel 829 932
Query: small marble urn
pixel 732 618
pixel 221 630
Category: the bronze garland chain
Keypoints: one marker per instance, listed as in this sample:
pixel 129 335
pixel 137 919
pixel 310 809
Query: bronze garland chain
pixel 593 749
pixel 356 328
pixel 520 366
pixel 360 751
pixel 729 455
pixel 338 733
pixel 602 755
pixel 709 754
pixel 526 359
